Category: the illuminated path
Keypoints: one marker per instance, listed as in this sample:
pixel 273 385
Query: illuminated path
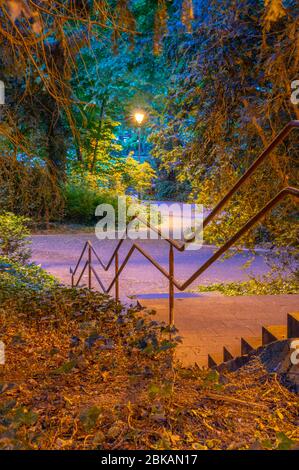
pixel 56 253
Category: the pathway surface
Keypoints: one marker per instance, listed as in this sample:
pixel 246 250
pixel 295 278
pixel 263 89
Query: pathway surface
pixel 56 253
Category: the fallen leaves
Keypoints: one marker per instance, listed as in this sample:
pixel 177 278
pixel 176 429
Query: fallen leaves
pixel 91 381
pixel 89 417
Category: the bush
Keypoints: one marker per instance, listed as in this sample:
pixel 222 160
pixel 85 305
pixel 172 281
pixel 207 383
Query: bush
pixel 81 202
pixel 137 176
pixel 14 235
pixel 168 190
pixel 29 188
pixel 17 277
pixel 264 285
pixel 116 174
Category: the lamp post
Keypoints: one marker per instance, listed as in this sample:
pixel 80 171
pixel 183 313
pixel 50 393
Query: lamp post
pixel 139 118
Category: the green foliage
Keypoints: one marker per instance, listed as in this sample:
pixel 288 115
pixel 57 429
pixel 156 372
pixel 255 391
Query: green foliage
pixel 114 174
pixel 228 95
pixel 284 442
pixel 84 190
pixel 81 201
pixel 28 187
pixel 137 176
pixel 110 88
pixel 98 162
pixel 83 114
pixel 26 417
pixel 256 286
pixel 65 368
pixel 14 235
pixel 15 277
pixel 170 190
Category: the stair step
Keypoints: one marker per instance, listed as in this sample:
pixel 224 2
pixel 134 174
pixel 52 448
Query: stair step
pixel 214 359
pixel 231 352
pixel 250 343
pixel 293 325
pixel 274 333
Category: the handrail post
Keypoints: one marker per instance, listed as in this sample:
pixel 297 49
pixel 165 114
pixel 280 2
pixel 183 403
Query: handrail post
pixel 72 276
pixel 171 286
pixel 116 278
pixel 89 266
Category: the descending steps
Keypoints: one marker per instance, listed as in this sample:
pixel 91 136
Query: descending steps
pixel 249 344
pixel 269 334
pixel 209 322
pixel 293 325
pixel 273 333
pixel 229 352
pixel 214 359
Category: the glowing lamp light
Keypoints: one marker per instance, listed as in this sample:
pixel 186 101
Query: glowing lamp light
pixel 139 117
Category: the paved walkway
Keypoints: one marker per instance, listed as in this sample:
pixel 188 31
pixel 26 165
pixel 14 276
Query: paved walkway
pixel 208 323
pixel 56 253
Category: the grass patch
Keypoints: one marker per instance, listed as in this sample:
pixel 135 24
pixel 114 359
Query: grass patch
pixel 255 286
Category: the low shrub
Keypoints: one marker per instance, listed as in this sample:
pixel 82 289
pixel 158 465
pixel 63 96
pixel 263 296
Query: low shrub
pixel 81 202
pixel 17 277
pixel 256 286
pixel 14 233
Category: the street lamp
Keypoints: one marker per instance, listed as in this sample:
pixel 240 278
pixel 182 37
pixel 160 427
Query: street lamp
pixel 139 118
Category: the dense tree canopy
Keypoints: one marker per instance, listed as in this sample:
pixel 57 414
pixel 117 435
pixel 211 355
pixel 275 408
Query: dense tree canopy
pixel 214 78
pixel 69 74
pixel 228 96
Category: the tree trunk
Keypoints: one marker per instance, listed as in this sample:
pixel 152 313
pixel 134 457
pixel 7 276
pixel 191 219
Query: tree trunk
pixel 94 160
pixel 57 148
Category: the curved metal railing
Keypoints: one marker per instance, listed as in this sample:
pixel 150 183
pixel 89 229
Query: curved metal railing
pixel 181 246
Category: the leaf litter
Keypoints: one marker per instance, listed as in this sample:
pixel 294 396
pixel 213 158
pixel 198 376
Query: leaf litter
pixel 83 373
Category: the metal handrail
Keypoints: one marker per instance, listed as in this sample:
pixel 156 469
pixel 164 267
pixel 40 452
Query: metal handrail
pixel 182 246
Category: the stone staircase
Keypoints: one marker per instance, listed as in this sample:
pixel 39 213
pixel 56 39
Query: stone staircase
pixel 215 329
pixel 269 334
